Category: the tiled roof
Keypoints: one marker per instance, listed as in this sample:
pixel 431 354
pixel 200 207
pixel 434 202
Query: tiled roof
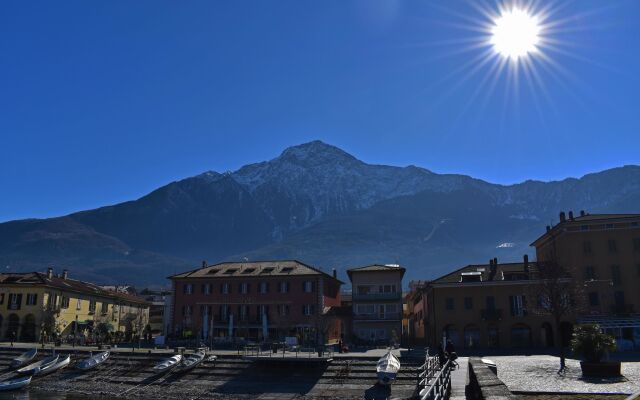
pixel 378 268
pixel 40 278
pixel 253 269
pixel 484 272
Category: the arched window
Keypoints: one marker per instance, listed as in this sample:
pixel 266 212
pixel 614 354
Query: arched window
pixel 471 336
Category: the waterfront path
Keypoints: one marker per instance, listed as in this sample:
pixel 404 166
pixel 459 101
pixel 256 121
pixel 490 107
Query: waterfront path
pixel 459 379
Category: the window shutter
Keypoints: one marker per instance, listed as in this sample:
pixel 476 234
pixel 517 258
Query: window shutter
pixel 511 305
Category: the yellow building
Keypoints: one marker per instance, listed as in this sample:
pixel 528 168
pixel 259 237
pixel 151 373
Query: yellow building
pixel 35 305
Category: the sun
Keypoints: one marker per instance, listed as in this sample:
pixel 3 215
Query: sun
pixel 515 33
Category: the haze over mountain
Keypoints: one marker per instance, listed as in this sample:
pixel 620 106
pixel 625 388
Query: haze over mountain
pixel 315 203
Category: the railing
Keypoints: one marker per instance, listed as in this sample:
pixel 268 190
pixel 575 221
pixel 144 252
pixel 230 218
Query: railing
pixel 377 317
pixel 377 296
pixel 293 351
pixel 622 309
pixel 434 383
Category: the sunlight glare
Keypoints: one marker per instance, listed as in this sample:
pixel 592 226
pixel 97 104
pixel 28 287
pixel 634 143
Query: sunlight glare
pixel 515 34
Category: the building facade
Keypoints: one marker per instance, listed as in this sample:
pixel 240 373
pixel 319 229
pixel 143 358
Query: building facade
pixel 263 300
pixel 35 305
pixel 486 306
pixel 377 303
pixel 602 252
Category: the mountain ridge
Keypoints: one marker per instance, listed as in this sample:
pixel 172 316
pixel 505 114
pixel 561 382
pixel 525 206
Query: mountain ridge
pixel 309 203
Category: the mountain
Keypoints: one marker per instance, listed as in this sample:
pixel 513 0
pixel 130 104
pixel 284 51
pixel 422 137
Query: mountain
pixel 316 203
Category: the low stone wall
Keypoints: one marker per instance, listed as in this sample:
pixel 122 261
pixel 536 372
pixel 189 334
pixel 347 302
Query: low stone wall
pixel 484 384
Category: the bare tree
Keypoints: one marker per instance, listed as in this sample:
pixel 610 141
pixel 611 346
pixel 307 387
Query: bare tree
pixel 556 293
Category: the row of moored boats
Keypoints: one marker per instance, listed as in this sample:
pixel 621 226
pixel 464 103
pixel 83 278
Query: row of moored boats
pixel 26 369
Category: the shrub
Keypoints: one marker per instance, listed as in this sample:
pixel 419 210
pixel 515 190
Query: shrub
pixel 590 343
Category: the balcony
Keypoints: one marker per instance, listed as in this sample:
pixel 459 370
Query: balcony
pixel 377 296
pixel 492 314
pixel 622 309
pixel 378 317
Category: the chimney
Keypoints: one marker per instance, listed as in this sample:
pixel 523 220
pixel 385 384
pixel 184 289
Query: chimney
pixel 492 269
pixel 49 272
pixel 548 228
pixel 204 264
pixel 65 274
pixel 582 213
pixel 495 261
pixel 562 217
pixel 335 274
pixel 571 215
pixel 525 261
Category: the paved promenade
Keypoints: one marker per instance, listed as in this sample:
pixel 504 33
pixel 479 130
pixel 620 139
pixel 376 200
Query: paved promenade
pixel 459 379
pixel 539 374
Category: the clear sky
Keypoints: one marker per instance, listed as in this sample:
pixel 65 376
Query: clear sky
pixel 101 102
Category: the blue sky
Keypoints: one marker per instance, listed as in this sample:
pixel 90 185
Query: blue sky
pixel 101 102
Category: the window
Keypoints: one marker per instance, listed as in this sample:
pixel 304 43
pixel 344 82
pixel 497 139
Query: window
pixel 390 308
pixel 65 302
pixel 636 244
pixel 284 287
pixel 619 298
pixel 468 303
pixel 449 304
pixel 243 311
pixel 613 247
pixel 267 270
pixel 32 299
pixel 2 295
pixel 187 311
pixel 517 305
pixel 594 300
pixel 615 274
pixel 283 310
pixel 206 288
pixel 264 287
pixel 15 301
pixel 589 273
pixel 105 307
pixel 308 309
pixel 387 289
pixel 609 226
pixel 224 312
pixel 586 247
pixel 79 305
pixel 244 288
pixel 307 286
pixel 263 311
pixel 225 288
pixel 364 289
pixel 92 306
pixel 491 303
pixel 584 227
pixel 364 309
pixel 187 288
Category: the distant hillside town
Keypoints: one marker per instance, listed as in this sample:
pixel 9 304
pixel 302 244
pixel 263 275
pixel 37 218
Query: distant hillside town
pixel 586 270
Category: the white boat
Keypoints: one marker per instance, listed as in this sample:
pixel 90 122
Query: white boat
pixel 15 383
pixel 190 362
pixel 93 361
pixel 23 359
pixel 36 366
pixel 387 368
pixel 168 364
pixel 63 362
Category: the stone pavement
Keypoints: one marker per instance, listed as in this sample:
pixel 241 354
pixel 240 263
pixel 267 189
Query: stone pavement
pixel 538 373
pixel 459 379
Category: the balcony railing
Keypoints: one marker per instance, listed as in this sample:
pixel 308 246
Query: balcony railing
pixel 377 296
pixel 378 317
pixel 622 309
pixel 492 314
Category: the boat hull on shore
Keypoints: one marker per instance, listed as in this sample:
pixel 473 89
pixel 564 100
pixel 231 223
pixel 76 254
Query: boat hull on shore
pixel 15 384
pixel 23 359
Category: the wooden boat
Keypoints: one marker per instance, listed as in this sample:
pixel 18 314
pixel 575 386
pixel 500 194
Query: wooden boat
pixel 93 361
pixel 387 368
pixel 36 366
pixel 23 359
pixel 63 362
pixel 190 362
pixel 15 383
pixel 168 364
